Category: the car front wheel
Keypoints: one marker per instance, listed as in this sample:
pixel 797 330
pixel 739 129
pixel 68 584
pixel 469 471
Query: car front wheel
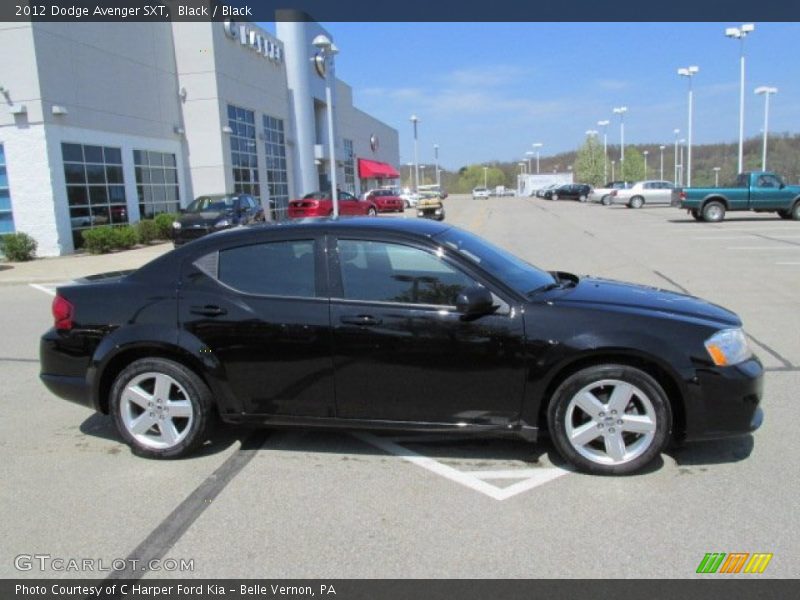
pixel 605 200
pixel 161 408
pixel 582 198
pixel 609 419
pixel 636 202
pixel 372 212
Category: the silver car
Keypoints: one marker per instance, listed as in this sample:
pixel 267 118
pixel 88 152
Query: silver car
pixel 644 192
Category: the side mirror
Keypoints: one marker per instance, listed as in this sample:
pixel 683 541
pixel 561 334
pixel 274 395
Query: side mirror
pixel 475 302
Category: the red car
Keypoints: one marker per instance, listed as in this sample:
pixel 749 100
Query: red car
pixel 320 204
pixel 386 200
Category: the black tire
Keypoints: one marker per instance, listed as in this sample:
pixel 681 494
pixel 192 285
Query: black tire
pixel 795 213
pixel 197 393
pixel 636 202
pixel 605 200
pixel 554 197
pixel 649 447
pixel 696 215
pixel 582 198
pixel 371 212
pixel 713 211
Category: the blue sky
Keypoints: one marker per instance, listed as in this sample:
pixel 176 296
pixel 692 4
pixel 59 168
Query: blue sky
pixel 487 91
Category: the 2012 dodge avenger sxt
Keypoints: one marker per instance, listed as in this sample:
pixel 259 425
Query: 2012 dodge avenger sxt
pixel 397 324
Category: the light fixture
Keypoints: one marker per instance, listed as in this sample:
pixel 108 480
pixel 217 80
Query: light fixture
pixel 227 129
pixel 59 110
pixel 178 130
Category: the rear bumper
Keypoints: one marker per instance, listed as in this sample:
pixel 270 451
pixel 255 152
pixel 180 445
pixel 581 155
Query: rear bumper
pixel 74 389
pixel 725 401
pixel 64 369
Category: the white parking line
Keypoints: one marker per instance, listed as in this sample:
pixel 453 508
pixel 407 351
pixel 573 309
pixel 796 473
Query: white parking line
pixel 787 263
pixel 471 479
pixel 49 288
pixel 763 248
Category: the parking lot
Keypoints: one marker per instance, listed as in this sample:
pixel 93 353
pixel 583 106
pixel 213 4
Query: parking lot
pixel 298 504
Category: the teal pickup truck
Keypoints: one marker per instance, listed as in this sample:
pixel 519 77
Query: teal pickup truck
pixel 759 191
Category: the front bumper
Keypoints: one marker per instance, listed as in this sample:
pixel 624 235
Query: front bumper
pixel 725 401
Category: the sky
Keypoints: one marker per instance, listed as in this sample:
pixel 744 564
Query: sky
pixel 488 91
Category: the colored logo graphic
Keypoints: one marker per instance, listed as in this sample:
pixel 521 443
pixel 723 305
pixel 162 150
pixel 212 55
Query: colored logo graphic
pixel 735 562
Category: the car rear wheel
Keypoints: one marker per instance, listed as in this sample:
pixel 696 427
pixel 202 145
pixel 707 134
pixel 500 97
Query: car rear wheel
pixel 609 419
pixel 605 200
pixel 554 197
pixel 714 212
pixel 795 213
pixel 161 408
pixel 636 202
pixel 582 198
pixel 371 212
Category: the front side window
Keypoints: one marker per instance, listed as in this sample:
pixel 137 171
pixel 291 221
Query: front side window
pixel 768 181
pixel 283 268
pixel 95 187
pixel 385 272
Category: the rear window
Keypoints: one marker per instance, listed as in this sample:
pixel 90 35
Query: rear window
pixel 273 269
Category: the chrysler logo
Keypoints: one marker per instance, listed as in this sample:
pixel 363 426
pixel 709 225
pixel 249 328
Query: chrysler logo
pixel 374 143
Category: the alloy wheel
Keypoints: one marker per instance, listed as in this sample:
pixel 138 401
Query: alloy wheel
pixel 156 410
pixel 610 422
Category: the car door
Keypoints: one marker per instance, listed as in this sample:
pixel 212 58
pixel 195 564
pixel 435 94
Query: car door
pixel 258 313
pixel 349 204
pixel 769 193
pixel 401 352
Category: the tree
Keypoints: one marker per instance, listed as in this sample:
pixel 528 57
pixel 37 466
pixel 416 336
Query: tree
pixel 633 167
pixel 589 162
pixel 473 176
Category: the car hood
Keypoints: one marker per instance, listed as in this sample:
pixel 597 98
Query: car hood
pixel 202 218
pixel 621 296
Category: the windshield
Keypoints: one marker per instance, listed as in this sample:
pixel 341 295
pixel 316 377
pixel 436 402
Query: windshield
pixel 511 270
pixel 211 203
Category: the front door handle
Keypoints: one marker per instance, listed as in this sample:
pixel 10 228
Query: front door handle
pixel 208 310
pixel 360 320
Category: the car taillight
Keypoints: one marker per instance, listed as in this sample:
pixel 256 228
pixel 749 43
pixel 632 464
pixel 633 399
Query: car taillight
pixel 683 195
pixel 63 312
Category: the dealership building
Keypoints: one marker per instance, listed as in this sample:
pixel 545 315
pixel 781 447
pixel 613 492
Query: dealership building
pixel 115 122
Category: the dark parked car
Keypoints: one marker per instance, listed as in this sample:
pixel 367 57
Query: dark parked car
pixel 397 324
pixel 214 213
pixel 572 191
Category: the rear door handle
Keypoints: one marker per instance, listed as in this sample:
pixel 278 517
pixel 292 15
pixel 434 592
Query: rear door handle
pixel 361 320
pixel 208 310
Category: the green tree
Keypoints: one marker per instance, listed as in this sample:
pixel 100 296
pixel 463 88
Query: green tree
pixel 473 176
pixel 589 162
pixel 633 167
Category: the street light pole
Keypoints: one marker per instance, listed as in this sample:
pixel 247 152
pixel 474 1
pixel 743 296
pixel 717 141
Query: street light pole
pixel 682 141
pixel 621 110
pixel 536 146
pixel 613 162
pixel 675 161
pixel 604 124
pixel 485 171
pixel 422 175
pixel 328 50
pixel 765 91
pixel 529 154
pixel 689 72
pixel 414 121
pixel 661 149
pixel 739 33
pixel 436 159
pixel 716 176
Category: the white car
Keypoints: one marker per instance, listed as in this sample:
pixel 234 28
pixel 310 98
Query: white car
pixel 644 192
pixel 410 199
pixel 480 192
pixel 605 194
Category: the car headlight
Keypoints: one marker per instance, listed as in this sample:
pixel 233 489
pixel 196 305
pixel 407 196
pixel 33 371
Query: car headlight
pixel 176 224
pixel 728 347
pixel 222 223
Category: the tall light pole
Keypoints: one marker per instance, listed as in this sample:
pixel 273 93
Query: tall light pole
pixel 485 171
pixel 689 72
pixel 436 159
pixel 536 147
pixel 739 33
pixel 645 153
pixel 681 142
pixel 716 176
pixel 422 175
pixel 675 161
pixel 661 149
pixel 621 110
pixel 529 154
pixel 410 175
pixel 765 91
pixel 613 162
pixel 415 120
pixel 327 50
pixel 604 124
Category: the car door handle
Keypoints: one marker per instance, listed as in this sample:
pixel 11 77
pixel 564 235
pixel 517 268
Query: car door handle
pixel 208 310
pixel 360 320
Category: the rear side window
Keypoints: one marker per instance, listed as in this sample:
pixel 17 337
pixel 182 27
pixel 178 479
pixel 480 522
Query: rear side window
pixel 273 269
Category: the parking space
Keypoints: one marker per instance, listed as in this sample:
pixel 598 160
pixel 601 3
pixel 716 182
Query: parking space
pixel 336 504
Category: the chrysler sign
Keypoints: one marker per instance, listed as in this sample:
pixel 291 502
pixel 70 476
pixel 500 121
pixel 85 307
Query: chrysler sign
pixel 255 41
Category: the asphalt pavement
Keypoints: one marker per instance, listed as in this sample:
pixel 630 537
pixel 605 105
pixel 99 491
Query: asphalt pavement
pixel 300 504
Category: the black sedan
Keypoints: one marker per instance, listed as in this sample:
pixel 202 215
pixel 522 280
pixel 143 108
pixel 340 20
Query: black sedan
pixel 207 214
pixel 397 324
pixel 572 191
